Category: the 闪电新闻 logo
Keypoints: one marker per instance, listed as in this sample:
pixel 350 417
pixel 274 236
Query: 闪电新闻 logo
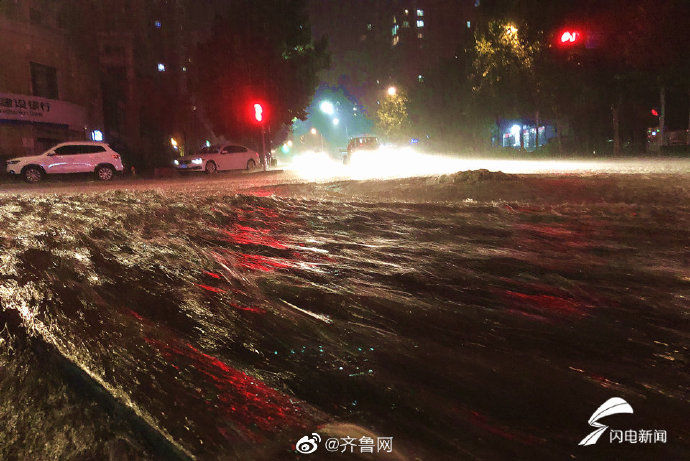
pixel 614 406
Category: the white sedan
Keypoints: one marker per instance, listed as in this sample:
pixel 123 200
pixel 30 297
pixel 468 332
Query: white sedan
pixel 219 158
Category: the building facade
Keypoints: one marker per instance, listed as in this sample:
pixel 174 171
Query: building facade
pixel 378 43
pixel 49 91
pixel 88 68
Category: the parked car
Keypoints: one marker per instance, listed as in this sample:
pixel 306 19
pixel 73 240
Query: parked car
pixel 219 158
pixel 68 157
pixel 361 143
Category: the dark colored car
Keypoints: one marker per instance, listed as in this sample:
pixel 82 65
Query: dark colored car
pixel 361 143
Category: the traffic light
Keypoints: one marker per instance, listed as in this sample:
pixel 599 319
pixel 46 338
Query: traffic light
pixel 570 37
pixel 258 112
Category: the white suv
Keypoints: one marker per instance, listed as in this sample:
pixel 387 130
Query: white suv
pixel 68 157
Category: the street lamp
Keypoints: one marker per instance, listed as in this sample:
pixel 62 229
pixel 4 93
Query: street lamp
pixel 392 91
pixel 336 121
pixel 314 132
pixel 327 107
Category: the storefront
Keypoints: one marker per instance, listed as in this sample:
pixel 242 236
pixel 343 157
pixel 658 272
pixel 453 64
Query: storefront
pixel 510 132
pixel 30 124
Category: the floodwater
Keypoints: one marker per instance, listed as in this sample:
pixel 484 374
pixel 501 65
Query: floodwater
pixel 208 324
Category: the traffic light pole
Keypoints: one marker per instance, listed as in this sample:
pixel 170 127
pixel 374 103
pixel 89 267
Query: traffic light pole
pixel 263 145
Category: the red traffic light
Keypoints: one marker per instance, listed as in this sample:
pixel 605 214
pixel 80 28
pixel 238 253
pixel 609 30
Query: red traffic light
pixel 570 37
pixel 258 112
pixel 655 113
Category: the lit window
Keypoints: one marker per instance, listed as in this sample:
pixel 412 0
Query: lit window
pixel 469 24
pixel 157 24
pixel 420 23
pixel 420 78
pixel 161 67
pixel 396 40
pixel 420 13
pixel 369 26
pixel 406 24
pixel 184 69
pixel 394 31
pixel 407 11
pixel 420 35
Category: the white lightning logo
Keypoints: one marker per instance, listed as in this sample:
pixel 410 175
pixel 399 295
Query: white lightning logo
pixel 612 406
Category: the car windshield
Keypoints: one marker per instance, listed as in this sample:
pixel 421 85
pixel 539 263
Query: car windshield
pixel 209 149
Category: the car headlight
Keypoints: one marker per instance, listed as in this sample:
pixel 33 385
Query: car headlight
pixel 197 161
pixel 12 162
pixel 175 162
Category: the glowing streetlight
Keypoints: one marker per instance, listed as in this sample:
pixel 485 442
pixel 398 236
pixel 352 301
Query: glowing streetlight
pixel 336 121
pixel 289 143
pixel 327 107
pixel 173 142
pixel 392 91
pixel 313 131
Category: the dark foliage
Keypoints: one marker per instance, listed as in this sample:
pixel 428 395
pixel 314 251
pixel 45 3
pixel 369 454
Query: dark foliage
pixel 258 51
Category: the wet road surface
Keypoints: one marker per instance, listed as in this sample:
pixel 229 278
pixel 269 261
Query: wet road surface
pixel 476 316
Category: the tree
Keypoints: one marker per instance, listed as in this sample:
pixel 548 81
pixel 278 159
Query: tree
pixel 392 117
pixel 257 51
pixel 504 77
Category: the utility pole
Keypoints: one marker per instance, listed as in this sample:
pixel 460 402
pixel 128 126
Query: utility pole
pixel 263 145
pixel 662 117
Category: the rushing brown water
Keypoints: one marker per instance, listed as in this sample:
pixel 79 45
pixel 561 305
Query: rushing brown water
pixel 212 325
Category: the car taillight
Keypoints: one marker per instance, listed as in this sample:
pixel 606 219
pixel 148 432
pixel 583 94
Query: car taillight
pixel 116 156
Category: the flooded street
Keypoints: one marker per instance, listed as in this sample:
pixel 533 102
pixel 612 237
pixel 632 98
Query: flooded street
pixel 470 316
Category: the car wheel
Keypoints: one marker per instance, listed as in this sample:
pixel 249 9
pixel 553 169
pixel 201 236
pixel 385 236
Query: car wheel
pixel 33 174
pixel 104 173
pixel 211 168
pixel 251 164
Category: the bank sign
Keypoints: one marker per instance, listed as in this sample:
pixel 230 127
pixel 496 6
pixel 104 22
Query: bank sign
pixel 32 109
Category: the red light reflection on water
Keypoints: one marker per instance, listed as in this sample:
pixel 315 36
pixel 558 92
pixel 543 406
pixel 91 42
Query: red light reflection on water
pixel 211 289
pixel 261 192
pixel 244 235
pixel 546 303
pixel 244 405
pixel 261 263
pixel 483 422
pixel 256 310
